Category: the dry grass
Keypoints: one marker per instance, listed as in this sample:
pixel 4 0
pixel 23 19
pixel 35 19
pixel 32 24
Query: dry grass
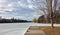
pixel 51 31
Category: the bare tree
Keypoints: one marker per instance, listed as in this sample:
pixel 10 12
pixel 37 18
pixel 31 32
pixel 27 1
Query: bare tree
pixel 42 8
pixel 50 12
pixel 51 9
pixel 48 8
pixel 55 11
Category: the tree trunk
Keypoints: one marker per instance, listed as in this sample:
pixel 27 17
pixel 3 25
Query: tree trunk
pixel 52 22
pixel 50 12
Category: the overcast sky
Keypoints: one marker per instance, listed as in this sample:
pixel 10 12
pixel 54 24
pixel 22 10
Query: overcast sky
pixel 22 9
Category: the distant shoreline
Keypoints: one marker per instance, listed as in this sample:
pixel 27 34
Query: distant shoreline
pixel 14 22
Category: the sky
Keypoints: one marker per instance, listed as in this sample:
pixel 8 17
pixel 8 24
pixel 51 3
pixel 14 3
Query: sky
pixel 19 9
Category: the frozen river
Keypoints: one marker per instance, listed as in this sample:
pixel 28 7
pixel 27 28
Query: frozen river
pixel 18 28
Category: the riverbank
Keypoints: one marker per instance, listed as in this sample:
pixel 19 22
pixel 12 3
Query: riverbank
pixel 50 31
pixel 44 30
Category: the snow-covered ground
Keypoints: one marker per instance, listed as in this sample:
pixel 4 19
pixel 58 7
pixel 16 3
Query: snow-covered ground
pixel 18 28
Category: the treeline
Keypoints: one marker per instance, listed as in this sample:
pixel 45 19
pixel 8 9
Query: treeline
pixel 12 21
pixel 42 19
pixel 55 19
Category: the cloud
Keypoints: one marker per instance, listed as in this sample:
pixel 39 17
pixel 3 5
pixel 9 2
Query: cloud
pixel 36 14
pixel 19 17
pixel 31 6
pixel 9 7
pixel 23 9
pixel 22 4
pixel 3 15
pixel 4 6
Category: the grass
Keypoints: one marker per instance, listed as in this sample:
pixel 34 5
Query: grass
pixel 51 31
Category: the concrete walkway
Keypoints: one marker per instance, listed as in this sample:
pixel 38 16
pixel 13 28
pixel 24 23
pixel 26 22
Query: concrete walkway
pixel 34 30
